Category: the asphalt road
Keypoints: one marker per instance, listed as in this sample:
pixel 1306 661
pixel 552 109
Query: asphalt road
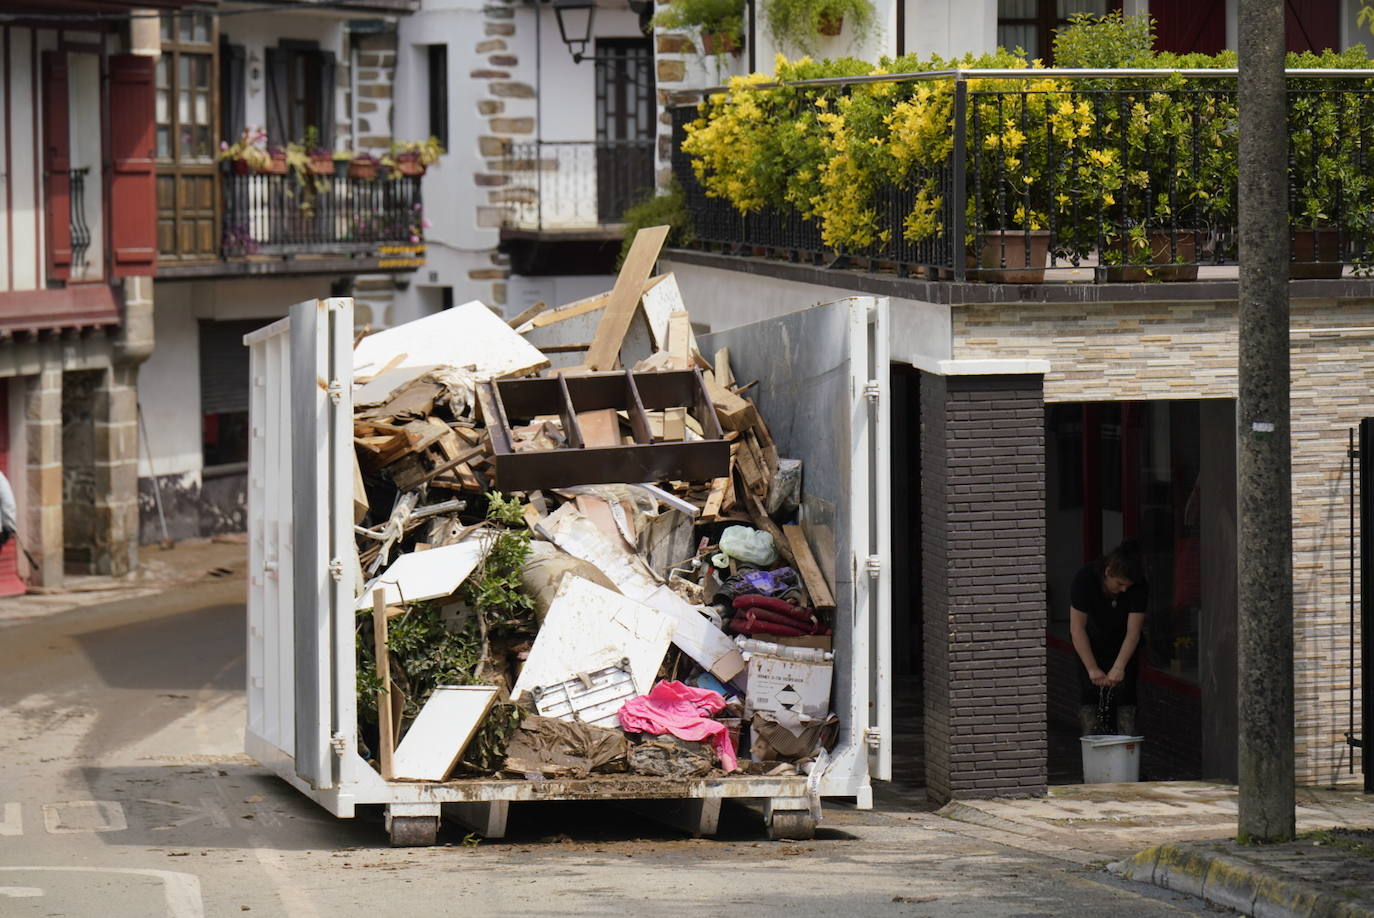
pixel 123 791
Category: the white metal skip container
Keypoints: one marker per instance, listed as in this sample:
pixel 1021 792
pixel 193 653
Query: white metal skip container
pixel 305 580
pixel 1111 758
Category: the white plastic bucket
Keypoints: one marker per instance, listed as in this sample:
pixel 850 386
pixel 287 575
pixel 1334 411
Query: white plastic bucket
pixel 1111 758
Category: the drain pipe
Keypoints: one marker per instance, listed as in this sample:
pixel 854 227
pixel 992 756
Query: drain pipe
pixel 152 472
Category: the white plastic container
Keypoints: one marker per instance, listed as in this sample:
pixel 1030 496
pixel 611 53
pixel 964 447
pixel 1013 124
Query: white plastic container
pixel 1111 758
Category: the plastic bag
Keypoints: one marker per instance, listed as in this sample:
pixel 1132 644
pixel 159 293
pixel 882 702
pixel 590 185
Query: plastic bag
pixel 748 545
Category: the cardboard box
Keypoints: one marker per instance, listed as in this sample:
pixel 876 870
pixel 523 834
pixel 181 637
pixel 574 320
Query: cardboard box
pixel 781 687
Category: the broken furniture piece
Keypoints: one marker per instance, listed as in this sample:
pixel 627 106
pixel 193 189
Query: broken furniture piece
pixel 567 397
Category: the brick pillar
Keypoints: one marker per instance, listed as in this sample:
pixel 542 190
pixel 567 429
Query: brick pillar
pixel 114 548
pixel 983 570
pixel 42 533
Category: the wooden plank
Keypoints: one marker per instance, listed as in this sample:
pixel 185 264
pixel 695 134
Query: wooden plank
pixel 764 522
pixel 675 424
pixel 713 500
pixel 808 569
pixel 360 504
pixel 386 730
pixel 724 378
pixel 734 412
pixel 629 286
pixel 600 428
pixel 680 338
pixel 528 314
pixel 579 307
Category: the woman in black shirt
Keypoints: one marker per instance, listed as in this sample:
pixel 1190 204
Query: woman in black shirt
pixel 1106 618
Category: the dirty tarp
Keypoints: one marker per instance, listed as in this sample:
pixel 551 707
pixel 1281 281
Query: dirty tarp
pixel 669 757
pixel 565 749
pixel 544 570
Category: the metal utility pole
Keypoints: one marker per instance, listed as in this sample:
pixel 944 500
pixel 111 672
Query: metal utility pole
pixel 1265 539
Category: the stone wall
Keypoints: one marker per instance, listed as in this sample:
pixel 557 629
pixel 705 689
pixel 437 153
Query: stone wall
pixel 983 584
pixel 1161 350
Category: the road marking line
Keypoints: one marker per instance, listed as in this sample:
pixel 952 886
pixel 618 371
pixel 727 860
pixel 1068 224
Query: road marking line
pixel 111 815
pixel 296 903
pixel 20 892
pixel 181 890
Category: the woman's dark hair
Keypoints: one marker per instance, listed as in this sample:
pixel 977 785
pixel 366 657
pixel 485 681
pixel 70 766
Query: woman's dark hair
pixel 1124 561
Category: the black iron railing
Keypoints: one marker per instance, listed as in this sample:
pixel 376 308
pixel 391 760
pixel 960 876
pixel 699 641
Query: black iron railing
pixel 1130 174
pixel 81 230
pixel 285 214
pixel 573 184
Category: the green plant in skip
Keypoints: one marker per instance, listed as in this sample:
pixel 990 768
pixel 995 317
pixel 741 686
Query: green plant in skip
pixel 427 650
pixel 800 24
pixel 657 209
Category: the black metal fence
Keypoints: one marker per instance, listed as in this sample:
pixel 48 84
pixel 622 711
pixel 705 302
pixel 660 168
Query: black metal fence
pixel 573 184
pixel 1131 179
pixel 273 214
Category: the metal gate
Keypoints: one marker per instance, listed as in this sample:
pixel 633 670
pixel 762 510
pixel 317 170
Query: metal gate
pixel 1362 497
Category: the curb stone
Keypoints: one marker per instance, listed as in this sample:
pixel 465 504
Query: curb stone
pixel 1235 883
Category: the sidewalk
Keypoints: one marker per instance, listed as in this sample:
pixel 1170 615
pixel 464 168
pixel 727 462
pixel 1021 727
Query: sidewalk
pixel 1180 835
pixel 159 568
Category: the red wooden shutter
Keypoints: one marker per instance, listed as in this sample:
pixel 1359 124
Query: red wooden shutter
pixel 1312 25
pixel 1185 26
pixel 133 182
pixel 57 164
pixel 10 584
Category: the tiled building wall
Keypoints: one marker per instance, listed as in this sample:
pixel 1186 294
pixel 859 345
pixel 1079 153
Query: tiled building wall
pixel 983 571
pixel 1125 351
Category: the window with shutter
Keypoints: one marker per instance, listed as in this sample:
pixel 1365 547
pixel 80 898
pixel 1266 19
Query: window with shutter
pixel 1030 24
pixel 300 93
pixel 224 391
pixel 187 132
pixel 132 180
pixel 57 164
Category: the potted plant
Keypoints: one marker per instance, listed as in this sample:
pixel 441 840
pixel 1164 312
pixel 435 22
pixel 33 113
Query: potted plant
pixel 412 157
pixel 363 166
pixel 319 160
pixel 798 23
pixel 720 22
pixel 248 153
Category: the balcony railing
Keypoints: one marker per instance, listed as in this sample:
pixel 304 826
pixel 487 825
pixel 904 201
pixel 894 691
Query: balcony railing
pixel 267 214
pixel 1108 175
pixel 81 230
pixel 573 184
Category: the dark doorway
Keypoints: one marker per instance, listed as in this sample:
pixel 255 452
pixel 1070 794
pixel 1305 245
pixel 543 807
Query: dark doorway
pixel 1162 473
pixel 908 701
pixel 626 116
pixel 80 391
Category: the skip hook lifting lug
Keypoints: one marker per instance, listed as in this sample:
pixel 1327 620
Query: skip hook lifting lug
pixel 335 391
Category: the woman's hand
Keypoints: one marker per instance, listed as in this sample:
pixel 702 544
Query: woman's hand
pixel 1098 677
pixel 1116 676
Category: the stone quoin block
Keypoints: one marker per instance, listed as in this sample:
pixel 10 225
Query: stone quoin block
pixel 675 44
pixel 490 106
pixel 491 44
pixel 512 125
pixel 493 146
pixel 671 71
pixel 511 90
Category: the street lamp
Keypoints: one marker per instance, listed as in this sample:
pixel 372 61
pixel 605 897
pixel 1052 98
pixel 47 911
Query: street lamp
pixel 575 25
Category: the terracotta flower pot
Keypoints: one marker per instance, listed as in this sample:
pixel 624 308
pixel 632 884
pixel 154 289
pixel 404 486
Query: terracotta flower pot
pixel 1316 253
pixel 409 164
pixel 364 169
pixel 1025 254
pixel 1162 261
pixel 277 166
pixel 719 43
pixel 321 164
pixel 830 26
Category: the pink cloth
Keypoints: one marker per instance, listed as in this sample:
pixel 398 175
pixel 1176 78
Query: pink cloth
pixel 684 711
